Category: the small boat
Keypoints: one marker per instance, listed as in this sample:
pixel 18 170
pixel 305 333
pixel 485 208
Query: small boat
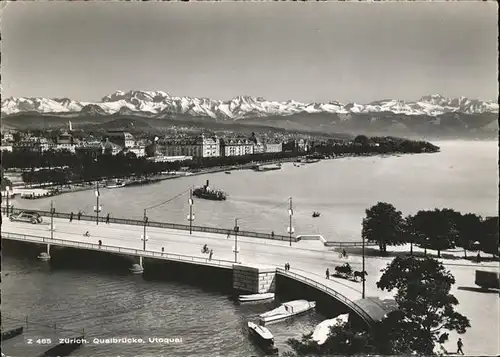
pixel 286 311
pixel 255 298
pixel 322 331
pixel 316 214
pixel 228 172
pixel 207 193
pixel 115 184
pixel 270 167
pixel 263 337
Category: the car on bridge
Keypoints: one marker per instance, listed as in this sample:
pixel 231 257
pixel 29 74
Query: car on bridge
pixel 26 216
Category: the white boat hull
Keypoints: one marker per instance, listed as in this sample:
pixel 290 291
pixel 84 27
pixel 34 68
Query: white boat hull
pixel 256 298
pixel 287 311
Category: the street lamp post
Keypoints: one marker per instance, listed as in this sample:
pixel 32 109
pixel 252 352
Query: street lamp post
pixel 145 237
pixel 191 215
pixel 236 229
pixel 363 269
pixel 7 194
pixel 290 228
pixel 52 211
pixel 97 208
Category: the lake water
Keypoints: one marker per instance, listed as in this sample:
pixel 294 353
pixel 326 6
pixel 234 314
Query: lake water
pixel 464 176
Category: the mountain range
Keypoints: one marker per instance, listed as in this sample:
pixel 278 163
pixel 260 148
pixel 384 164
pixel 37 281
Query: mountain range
pixel 147 103
pixel 432 114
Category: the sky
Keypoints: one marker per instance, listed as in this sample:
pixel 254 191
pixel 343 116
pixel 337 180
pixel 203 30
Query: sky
pixel 277 50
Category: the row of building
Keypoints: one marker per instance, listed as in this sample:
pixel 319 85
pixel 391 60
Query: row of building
pixel 123 142
pixel 213 146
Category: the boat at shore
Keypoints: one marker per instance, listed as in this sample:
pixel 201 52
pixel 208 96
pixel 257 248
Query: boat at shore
pixel 322 331
pixel 287 310
pixel 263 168
pixel 207 193
pixel 256 298
pixel 262 337
pixel 115 184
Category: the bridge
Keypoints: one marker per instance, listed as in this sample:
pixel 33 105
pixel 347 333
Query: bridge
pixel 201 229
pixel 308 259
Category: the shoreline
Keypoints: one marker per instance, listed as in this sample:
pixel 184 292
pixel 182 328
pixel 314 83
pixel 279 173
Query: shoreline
pixel 78 187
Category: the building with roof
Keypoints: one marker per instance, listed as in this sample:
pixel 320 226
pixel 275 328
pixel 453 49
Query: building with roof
pixel 121 138
pixel 236 147
pixel 199 146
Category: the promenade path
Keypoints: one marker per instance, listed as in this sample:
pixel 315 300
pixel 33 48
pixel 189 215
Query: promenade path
pixel 308 258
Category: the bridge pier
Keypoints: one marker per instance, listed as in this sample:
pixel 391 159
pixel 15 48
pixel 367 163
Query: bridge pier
pixel 254 279
pixel 45 256
pixel 138 268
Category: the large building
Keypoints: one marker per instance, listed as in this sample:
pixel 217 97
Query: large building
pixel 90 149
pixel 200 146
pixel 236 147
pixel 121 138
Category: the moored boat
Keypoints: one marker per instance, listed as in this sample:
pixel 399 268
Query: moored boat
pixel 270 167
pixel 263 337
pixel 322 331
pixel 316 214
pixel 115 184
pixel 256 298
pixel 286 311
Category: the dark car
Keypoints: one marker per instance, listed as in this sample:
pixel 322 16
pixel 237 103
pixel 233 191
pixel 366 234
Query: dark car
pixel 26 216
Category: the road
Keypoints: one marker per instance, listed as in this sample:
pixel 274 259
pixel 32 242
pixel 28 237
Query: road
pixel 309 258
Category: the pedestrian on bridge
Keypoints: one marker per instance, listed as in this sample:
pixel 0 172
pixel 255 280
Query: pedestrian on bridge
pixel 71 217
pixel 107 219
pixel 162 250
pixel 210 255
pixel 328 273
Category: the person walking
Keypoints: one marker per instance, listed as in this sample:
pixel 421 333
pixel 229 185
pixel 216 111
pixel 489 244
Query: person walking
pixel 71 217
pixel 210 255
pixel 162 250
pixel 460 344
pixel 107 219
pixel 79 215
pixel 328 273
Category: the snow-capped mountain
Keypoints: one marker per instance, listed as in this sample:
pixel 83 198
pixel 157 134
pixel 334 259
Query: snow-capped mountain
pixel 161 105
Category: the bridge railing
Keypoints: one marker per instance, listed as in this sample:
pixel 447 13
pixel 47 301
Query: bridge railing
pixel 351 304
pixel 135 222
pixel 120 250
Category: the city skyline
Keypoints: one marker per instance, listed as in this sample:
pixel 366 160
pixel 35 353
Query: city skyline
pixel 280 51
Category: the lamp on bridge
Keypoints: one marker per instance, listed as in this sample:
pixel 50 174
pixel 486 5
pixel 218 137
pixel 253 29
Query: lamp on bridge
pixel 363 271
pixel 290 228
pixel 52 211
pixel 8 191
pixel 144 237
pixel 236 230
pixel 97 208
pixel 190 217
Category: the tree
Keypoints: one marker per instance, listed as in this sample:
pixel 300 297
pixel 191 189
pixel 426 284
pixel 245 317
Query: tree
pixel 469 230
pixel 489 235
pixel 362 139
pixel 385 225
pixel 436 228
pixel 426 307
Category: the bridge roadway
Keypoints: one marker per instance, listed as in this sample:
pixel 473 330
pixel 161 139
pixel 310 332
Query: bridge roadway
pixel 310 256
pixel 307 258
